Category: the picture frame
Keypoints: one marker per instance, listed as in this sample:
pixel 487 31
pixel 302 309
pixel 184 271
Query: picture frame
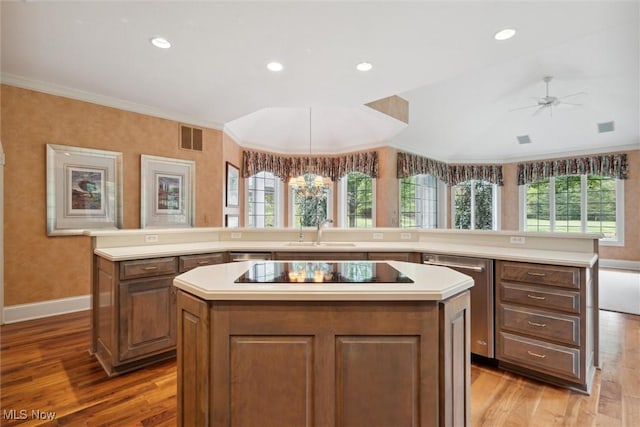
pixel 232 186
pixel 167 192
pixel 232 221
pixel 84 189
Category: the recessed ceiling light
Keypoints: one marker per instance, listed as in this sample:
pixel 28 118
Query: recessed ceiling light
pixel 161 42
pixel 505 34
pixel 364 66
pixel 275 66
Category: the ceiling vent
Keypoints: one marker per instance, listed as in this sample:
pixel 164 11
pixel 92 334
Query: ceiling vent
pixel 605 127
pixel 190 138
pixel 524 139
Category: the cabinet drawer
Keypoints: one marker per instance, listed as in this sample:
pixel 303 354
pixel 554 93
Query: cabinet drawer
pixel 540 296
pixel 540 356
pixel 546 325
pixel 555 275
pixel 148 268
pixel 187 262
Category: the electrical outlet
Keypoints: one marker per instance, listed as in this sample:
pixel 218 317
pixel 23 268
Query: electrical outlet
pixel 151 238
pixel 517 240
pixel 378 236
pixel 405 236
pixel 236 235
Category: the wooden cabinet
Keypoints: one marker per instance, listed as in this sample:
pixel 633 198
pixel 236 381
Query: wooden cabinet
pixel 544 322
pixel 323 363
pixel 134 309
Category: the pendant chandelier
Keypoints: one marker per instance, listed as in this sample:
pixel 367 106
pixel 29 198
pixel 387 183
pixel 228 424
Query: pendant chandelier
pixel 310 185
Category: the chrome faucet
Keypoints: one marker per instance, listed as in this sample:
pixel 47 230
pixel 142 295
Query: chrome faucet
pixel 320 227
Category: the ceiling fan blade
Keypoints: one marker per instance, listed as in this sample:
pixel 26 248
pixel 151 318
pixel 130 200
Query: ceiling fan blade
pixel 567 103
pixel 573 94
pixel 524 108
pixel 539 110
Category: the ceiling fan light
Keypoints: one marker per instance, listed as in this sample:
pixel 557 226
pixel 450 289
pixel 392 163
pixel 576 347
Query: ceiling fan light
pixel 504 34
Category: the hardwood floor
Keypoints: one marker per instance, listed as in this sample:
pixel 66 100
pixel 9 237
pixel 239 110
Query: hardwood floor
pixel 45 367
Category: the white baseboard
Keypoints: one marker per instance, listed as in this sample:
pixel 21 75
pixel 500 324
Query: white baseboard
pixel 620 264
pixel 37 310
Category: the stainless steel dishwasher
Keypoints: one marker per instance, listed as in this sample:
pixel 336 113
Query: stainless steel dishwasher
pixel 249 256
pixel 482 312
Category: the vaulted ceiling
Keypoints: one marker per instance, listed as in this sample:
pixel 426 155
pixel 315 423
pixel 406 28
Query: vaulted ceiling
pixel 460 83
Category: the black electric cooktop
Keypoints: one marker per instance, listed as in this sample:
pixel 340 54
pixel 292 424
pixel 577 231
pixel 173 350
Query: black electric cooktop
pixel 322 272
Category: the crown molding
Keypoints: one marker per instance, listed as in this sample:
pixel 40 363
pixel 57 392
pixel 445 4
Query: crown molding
pixel 107 101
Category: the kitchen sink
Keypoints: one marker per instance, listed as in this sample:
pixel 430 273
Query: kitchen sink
pixel 321 244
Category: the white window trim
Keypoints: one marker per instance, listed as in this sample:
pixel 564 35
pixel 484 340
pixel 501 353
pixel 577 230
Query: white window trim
pixel 496 206
pixel 441 204
pixel 279 202
pixel 522 200
pixel 342 203
pixel 290 213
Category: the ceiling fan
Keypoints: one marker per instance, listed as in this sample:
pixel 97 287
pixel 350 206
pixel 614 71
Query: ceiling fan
pixel 548 101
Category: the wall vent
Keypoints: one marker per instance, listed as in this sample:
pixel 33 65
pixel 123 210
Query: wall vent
pixel 605 127
pixel 524 139
pixel 190 138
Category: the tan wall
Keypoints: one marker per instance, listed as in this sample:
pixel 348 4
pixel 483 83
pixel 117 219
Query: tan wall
pixel 232 153
pixel 387 189
pixel 40 268
pixel 631 249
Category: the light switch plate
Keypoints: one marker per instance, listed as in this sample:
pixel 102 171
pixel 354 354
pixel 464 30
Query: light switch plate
pixel 236 235
pixel 151 238
pixel 405 236
pixel 378 236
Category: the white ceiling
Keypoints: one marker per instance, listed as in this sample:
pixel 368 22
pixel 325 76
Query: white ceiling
pixel 440 56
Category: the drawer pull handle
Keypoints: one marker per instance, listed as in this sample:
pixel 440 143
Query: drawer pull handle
pixel 540 325
pixel 541 356
pixel 536 297
pixel 203 262
pixel 532 273
pixel 152 267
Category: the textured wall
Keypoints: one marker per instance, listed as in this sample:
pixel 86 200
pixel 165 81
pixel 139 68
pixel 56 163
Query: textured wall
pixel 40 268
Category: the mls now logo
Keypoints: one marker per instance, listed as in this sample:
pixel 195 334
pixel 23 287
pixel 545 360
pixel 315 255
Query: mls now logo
pixel 14 414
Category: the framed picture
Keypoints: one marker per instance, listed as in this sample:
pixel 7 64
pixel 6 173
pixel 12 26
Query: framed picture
pixel 233 181
pixel 84 189
pixel 232 221
pixel 167 192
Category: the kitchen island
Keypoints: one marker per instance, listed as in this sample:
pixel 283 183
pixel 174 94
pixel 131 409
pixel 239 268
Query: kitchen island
pixel 277 343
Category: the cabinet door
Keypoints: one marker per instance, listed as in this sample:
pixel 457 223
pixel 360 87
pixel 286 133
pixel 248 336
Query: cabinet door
pixel 147 318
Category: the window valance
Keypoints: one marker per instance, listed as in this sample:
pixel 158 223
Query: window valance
pixel 332 167
pixel 413 164
pixel 609 165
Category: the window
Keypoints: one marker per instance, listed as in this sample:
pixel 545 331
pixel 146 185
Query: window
pixel 575 203
pixel 306 212
pixel 357 195
pixel 263 200
pixel 474 205
pixel 419 201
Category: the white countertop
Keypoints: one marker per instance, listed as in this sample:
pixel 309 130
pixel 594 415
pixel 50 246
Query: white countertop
pixel 216 283
pixel 575 259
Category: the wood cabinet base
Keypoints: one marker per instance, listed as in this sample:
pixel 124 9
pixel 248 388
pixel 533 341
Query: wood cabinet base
pixel 323 363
